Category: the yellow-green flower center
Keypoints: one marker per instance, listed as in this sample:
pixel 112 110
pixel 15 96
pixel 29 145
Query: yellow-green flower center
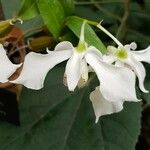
pixel 122 54
pixel 82 46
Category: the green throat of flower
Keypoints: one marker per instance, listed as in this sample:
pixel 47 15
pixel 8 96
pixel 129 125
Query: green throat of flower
pixel 82 46
pixel 122 54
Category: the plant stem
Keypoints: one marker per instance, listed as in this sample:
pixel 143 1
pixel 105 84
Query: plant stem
pixel 18 49
pixel 110 35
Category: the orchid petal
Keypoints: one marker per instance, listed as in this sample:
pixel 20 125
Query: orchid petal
pixel 65 45
pixel 133 46
pixel 84 70
pixel 112 49
pixel 127 47
pixel 109 58
pixel 36 66
pixel 142 55
pixel 119 63
pixel 116 84
pixel 94 50
pixel 139 71
pixel 7 68
pixel 84 74
pixel 102 106
pixel 73 70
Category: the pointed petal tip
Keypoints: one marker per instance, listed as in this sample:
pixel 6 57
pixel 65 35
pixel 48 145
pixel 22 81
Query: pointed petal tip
pixel 145 91
pixel 27 84
pixel 136 100
pixel 96 120
pixel 36 88
pixel 4 81
pixel 18 65
pixel 148 46
pixel 71 89
pixel 13 81
pixel 48 51
pixel 142 88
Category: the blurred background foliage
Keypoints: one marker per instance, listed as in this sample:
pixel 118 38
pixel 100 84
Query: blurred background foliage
pixel 128 20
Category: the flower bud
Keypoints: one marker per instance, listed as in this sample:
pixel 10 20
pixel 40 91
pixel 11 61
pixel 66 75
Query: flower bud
pixel 5 27
pixel 37 44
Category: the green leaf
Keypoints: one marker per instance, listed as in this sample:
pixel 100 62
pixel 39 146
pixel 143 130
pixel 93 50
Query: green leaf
pixel 75 23
pixel 12 7
pixel 68 5
pixel 53 15
pixel 28 10
pixel 54 119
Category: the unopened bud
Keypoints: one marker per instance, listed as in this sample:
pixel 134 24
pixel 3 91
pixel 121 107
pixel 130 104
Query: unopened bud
pixel 5 28
pixel 38 44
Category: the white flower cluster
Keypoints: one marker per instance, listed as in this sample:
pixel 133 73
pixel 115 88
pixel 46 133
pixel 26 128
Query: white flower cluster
pixel 116 71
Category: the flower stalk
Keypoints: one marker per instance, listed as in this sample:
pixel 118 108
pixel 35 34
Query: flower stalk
pixel 110 35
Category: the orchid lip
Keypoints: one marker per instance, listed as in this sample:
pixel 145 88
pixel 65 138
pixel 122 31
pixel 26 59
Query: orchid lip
pixel 122 54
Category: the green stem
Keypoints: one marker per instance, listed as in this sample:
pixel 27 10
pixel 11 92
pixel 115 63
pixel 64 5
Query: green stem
pixel 110 35
pixel 94 23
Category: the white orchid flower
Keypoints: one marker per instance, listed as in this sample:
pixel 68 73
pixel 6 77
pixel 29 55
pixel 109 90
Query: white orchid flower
pixel 36 66
pixel 102 106
pixel 125 56
pixel 7 68
pixel 117 84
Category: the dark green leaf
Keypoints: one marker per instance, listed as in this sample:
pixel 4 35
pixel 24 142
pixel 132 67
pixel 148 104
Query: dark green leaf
pixel 53 15
pixel 75 23
pixel 28 10
pixel 54 119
